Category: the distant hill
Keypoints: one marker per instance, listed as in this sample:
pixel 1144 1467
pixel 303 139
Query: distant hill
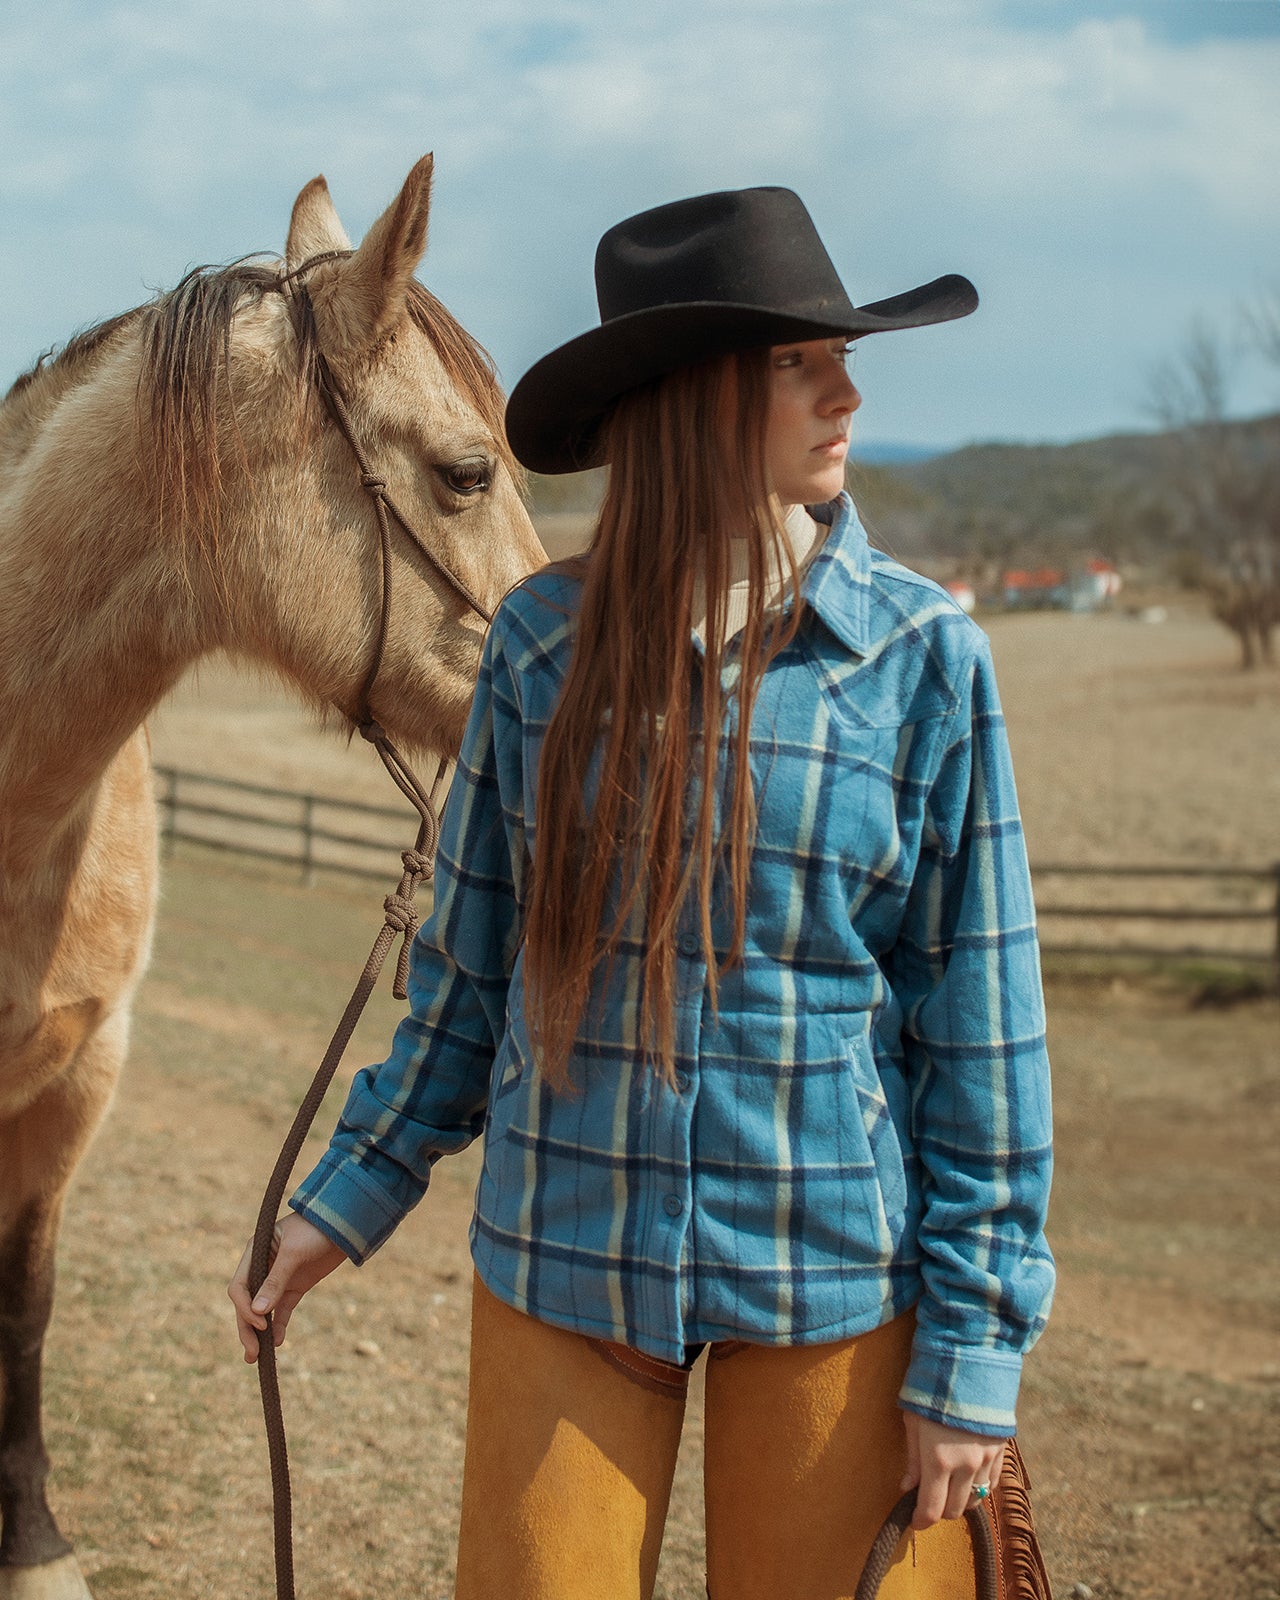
pixel 875 453
pixel 1041 479
pixel 991 503
pixel 994 502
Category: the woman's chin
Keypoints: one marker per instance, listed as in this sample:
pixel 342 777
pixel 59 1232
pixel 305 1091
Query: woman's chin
pixel 813 490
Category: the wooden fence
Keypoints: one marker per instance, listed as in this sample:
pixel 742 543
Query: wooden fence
pixel 308 831
pixel 1152 912
pixel 1160 912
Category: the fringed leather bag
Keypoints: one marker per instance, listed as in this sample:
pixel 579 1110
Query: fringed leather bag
pixel 1006 1553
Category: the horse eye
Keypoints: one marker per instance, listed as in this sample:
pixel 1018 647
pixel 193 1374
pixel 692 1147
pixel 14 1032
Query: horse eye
pixel 467 477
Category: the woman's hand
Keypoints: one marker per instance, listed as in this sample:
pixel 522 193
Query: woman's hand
pixel 300 1256
pixel 947 1464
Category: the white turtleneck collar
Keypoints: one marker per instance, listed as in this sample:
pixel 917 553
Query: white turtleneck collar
pixel 804 536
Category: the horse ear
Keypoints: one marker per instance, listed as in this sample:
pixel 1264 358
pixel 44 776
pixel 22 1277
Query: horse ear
pixel 314 227
pixel 363 298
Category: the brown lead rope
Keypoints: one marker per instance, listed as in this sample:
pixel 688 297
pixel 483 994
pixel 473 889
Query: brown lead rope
pixel 401 922
pixel 896 1524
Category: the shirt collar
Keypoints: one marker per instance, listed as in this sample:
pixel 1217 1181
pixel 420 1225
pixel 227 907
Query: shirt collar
pixel 837 584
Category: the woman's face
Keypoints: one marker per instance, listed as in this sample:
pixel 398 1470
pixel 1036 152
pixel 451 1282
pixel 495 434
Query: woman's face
pixel 811 404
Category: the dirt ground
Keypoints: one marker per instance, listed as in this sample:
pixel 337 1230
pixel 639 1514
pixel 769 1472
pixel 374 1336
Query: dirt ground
pixel 1151 1409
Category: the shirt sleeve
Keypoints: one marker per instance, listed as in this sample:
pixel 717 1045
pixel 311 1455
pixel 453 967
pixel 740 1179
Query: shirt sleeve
pixel 428 1098
pixel 966 970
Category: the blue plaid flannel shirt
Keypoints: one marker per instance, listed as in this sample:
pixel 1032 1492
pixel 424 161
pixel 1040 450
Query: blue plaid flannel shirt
pixel 864 1125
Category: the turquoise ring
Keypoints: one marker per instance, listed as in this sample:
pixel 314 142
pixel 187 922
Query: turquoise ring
pixel 981 1491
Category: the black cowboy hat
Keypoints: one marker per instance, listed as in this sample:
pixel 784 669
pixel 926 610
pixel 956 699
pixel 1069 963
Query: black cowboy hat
pixel 689 281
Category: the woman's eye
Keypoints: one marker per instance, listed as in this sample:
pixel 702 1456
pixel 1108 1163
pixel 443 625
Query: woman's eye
pixel 467 477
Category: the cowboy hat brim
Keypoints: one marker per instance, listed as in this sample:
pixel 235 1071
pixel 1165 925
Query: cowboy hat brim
pixel 555 411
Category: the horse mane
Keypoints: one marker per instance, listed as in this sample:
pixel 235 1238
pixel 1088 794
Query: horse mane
pixel 184 374
pixel 77 350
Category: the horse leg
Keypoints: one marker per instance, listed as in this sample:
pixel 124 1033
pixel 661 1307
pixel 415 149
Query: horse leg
pixel 35 1559
pixel 39 1148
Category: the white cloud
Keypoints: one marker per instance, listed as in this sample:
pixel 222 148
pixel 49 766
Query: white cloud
pixel 1092 163
pixel 1103 107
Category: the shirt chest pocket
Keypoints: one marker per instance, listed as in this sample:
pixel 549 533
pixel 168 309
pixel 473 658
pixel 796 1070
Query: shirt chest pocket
pixel 836 787
pixel 855 746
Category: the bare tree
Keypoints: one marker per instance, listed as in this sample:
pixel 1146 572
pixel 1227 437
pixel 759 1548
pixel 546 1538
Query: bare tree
pixel 1260 317
pixel 1224 478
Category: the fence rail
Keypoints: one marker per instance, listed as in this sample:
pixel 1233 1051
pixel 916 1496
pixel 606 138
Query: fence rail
pixel 289 826
pixel 1082 910
pixel 1241 904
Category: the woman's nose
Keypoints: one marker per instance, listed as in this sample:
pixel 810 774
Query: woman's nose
pixel 842 396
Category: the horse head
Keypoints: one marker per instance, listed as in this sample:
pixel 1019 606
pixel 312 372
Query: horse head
pixel 274 480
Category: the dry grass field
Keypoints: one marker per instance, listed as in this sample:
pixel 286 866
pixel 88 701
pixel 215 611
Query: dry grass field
pixel 1151 1414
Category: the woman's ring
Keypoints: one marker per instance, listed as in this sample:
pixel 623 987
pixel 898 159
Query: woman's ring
pixel 980 1491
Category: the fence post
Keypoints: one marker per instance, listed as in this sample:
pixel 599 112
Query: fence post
pixel 169 812
pixel 1276 870
pixel 308 842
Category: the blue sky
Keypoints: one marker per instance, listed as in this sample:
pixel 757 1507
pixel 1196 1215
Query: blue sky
pixel 1103 172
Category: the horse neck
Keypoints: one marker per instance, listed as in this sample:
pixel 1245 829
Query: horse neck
pixel 97 615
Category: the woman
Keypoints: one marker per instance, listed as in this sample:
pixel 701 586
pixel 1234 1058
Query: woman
pixel 751 1022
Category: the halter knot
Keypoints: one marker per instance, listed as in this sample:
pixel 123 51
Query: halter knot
pixel 373 483
pixel 402 914
pixel 416 863
pixel 371 730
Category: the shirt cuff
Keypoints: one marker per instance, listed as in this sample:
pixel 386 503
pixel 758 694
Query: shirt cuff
pixel 964 1387
pixel 348 1205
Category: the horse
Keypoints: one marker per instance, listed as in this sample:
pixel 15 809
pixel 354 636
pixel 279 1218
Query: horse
pixel 173 483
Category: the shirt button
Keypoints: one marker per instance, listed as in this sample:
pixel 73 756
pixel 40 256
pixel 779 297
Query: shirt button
pixel 682 1082
pixel 673 1205
pixel 689 944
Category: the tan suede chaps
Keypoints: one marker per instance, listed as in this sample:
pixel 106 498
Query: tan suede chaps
pixel 571 1448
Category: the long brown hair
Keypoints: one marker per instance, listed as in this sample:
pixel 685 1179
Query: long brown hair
pixel 627 789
